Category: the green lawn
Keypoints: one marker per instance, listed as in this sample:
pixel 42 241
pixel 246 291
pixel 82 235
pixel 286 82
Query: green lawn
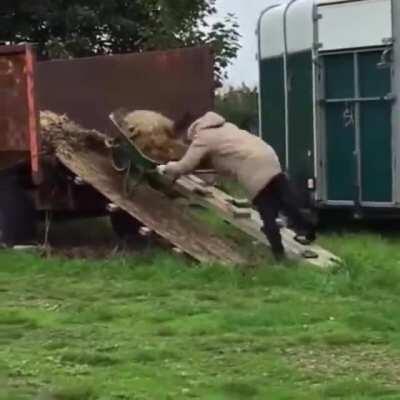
pixel 153 327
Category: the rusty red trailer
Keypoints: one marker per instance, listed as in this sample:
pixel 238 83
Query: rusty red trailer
pixel 19 133
pixel 177 83
pixel 174 82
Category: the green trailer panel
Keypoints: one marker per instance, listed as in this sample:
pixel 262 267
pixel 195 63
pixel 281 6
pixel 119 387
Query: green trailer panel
pixel 375 128
pixel 301 118
pixel 376 160
pixel 339 76
pixel 340 128
pixel 273 104
pixel 374 80
pixel 356 88
pixel 341 164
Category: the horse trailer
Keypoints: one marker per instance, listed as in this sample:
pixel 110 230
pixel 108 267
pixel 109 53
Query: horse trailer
pixel 329 88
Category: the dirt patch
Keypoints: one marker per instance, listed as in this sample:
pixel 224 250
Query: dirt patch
pixel 91 239
pixel 375 362
pixel 88 252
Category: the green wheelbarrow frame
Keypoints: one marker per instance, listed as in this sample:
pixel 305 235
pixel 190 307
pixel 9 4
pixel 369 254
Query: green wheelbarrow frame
pixel 128 158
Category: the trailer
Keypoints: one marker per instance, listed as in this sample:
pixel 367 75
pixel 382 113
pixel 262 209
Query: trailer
pixel 87 90
pixel 329 87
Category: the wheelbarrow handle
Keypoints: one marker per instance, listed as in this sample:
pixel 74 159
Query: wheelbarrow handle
pixel 204 172
pixel 200 172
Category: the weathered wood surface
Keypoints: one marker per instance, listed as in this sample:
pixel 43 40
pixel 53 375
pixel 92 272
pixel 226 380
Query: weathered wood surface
pixel 83 152
pixel 153 209
pixel 248 220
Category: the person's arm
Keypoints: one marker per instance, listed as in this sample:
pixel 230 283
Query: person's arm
pixel 191 160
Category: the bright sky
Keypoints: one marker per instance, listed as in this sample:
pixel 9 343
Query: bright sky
pixel 245 68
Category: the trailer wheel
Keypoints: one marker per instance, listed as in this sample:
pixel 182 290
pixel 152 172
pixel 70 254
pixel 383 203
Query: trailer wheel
pixel 125 226
pixel 17 216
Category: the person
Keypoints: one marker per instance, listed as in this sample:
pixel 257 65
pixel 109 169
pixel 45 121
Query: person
pixel 254 164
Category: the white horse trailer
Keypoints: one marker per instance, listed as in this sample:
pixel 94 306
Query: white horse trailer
pixel 329 100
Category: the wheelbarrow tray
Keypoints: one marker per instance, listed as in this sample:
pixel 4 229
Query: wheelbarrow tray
pixel 136 154
pixel 118 119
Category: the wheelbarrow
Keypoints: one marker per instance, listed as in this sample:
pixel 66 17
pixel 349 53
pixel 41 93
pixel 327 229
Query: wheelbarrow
pixel 138 167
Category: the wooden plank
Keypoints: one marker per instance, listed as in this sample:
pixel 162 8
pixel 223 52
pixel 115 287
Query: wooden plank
pixel 152 208
pixel 240 203
pixel 221 202
pixel 239 212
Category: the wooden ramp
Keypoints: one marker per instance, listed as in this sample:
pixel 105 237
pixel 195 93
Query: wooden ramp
pixel 154 209
pixel 83 152
pixel 239 214
pixel 170 221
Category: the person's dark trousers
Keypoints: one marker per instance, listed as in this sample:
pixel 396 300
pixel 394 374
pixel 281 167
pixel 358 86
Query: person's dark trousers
pixel 278 196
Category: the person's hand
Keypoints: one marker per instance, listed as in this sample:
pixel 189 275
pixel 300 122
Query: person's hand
pixel 171 164
pixel 161 169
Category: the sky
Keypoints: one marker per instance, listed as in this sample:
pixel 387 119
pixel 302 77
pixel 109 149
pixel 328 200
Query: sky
pixel 245 67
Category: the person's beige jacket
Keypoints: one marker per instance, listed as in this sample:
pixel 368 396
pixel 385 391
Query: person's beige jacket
pixel 231 151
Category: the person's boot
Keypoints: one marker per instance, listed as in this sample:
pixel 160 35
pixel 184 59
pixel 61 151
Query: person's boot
pixel 311 237
pixel 305 239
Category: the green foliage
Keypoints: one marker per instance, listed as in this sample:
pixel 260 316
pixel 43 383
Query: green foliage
pixel 240 106
pixel 78 28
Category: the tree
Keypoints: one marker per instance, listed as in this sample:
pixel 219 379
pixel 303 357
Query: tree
pixel 78 28
pixel 239 106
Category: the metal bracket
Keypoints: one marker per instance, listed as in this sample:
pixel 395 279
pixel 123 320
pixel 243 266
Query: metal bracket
pixel 388 41
pixel 317 46
pixel 316 61
pixel 385 61
pixel 316 15
pixel 390 97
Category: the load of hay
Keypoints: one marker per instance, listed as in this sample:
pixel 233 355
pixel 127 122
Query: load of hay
pixel 151 132
pixel 154 134
pixel 61 134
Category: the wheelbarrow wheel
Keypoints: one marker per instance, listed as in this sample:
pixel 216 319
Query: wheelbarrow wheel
pixel 134 176
pixel 119 156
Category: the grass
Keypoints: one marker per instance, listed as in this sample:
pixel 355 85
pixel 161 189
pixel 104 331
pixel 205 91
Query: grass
pixel 153 327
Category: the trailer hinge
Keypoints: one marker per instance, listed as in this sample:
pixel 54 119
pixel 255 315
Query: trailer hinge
pixel 316 15
pixel 317 63
pixel 388 41
pixel 390 97
pixel 317 46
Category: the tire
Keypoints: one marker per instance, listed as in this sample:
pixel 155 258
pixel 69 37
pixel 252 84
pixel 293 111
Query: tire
pixel 125 226
pixel 17 215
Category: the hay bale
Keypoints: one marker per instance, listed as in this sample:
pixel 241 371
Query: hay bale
pixel 151 132
pixel 154 134
pixel 59 133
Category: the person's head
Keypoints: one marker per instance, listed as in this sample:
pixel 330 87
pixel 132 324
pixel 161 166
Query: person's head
pixel 209 120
